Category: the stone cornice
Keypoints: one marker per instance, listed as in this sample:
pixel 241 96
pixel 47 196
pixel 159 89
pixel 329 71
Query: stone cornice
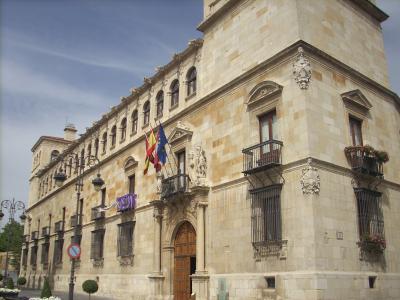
pixel 371 9
pixel 49 138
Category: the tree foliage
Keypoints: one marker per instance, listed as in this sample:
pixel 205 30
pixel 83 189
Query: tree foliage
pixel 10 283
pixel 11 239
pixel 90 286
pixel 46 291
pixel 21 281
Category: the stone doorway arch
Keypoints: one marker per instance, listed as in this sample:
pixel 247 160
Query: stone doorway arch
pixel 184 260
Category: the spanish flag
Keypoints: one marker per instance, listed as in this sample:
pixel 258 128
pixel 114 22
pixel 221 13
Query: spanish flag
pixel 150 147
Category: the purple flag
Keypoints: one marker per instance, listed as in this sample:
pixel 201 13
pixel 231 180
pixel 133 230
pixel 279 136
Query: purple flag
pixel 126 202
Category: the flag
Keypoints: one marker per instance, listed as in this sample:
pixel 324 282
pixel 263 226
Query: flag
pixel 150 147
pixel 161 153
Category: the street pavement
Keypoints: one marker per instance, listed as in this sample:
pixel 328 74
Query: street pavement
pixel 63 295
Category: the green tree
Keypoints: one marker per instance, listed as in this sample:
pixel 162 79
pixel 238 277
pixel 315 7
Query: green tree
pixel 90 287
pixel 11 239
pixel 46 291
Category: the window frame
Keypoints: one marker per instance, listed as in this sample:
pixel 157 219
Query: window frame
pixel 159 104
pixel 123 129
pixel 146 113
pixel 135 121
pixel 353 123
pixel 123 237
pixel 191 81
pixel 97 244
pixel 174 91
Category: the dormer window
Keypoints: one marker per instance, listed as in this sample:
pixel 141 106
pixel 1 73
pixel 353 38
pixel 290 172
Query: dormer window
pixel 191 78
pixel 54 154
pixel 146 113
pixel 174 93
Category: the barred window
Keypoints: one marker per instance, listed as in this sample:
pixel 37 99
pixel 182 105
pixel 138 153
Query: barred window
pixel 44 259
pixel 25 253
pixel 34 250
pixel 125 238
pixel 97 244
pixel 266 215
pixel 58 250
pixel 370 216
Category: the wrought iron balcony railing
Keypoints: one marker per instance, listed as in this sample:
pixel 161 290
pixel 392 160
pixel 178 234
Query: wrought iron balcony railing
pixel 96 214
pixel 59 226
pixel 76 220
pixel 35 235
pixel 262 156
pixel 174 185
pixel 362 161
pixel 45 231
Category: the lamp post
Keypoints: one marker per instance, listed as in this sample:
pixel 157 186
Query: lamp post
pixel 12 207
pixel 73 161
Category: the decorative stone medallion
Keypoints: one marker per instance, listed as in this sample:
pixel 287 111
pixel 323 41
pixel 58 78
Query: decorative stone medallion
pixel 310 181
pixel 302 70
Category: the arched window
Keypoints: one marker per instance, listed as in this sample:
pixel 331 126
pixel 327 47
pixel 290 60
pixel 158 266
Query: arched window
pixel 54 154
pixel 191 79
pixel 89 149
pixel 123 129
pixel 113 135
pixel 146 113
pixel 174 93
pixel 134 121
pixel 160 103
pixel 70 167
pixel 83 158
pixel 104 141
pixel 96 147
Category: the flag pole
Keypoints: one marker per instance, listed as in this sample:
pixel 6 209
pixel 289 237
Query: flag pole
pixel 173 156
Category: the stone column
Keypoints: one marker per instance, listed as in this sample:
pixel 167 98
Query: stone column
pixel 200 245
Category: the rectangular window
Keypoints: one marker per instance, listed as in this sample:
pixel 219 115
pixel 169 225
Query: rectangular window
pixel 125 238
pixel 355 131
pixel 131 183
pixel 181 162
pixel 370 216
pixel 96 252
pixel 266 215
pixel 44 259
pixel 58 251
pixel 34 250
pixel 103 197
pixel 25 253
pixel 268 132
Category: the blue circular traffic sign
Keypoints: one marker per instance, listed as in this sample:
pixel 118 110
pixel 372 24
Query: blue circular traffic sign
pixel 74 250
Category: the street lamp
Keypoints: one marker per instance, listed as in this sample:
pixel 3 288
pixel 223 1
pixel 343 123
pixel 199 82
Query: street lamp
pixel 11 206
pixel 73 161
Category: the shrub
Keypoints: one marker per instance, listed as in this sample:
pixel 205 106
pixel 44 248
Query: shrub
pixel 21 281
pixel 46 291
pixel 10 283
pixel 1 277
pixel 90 287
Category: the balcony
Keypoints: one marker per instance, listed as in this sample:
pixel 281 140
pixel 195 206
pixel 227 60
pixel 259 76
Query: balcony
pixel 59 226
pixel 364 160
pixel 26 238
pixel 35 235
pixel 174 185
pixel 76 220
pixel 45 231
pixel 96 214
pixel 262 156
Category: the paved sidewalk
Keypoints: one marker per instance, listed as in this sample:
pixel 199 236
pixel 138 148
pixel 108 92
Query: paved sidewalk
pixel 63 295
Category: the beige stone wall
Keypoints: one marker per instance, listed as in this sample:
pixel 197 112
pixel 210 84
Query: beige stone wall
pixel 342 30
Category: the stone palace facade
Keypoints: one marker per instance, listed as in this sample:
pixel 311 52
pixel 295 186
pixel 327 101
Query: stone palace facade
pixel 280 123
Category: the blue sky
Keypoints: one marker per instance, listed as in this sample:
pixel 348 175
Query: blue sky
pixel 71 60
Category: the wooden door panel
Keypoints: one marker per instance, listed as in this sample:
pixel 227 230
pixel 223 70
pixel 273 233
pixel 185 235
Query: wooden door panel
pixel 185 248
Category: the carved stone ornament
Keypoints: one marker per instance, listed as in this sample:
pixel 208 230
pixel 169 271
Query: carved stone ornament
pixel 198 165
pixel 125 261
pixel 265 90
pixel 180 132
pixel 302 70
pixel 310 181
pixel 160 177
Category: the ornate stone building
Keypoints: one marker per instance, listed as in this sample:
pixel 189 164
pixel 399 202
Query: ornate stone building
pixel 271 191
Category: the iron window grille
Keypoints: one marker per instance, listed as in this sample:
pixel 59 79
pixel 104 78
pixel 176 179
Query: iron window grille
pixel 97 214
pixel 59 226
pixel 97 244
pixel 58 250
pixel 266 215
pixel 44 259
pixel 34 250
pixel 25 253
pixel 125 238
pixel 370 216
pixel 45 231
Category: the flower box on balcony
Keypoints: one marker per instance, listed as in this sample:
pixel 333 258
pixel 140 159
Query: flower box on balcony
pixel 374 244
pixel 366 160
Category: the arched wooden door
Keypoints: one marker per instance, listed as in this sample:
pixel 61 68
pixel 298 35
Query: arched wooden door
pixel 185 261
